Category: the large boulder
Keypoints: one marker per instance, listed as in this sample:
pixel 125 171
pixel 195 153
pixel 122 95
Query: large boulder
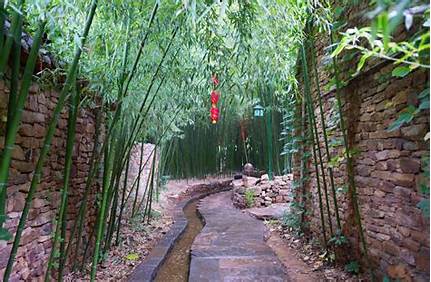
pixel 250 170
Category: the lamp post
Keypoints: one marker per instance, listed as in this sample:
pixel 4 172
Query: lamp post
pixel 259 111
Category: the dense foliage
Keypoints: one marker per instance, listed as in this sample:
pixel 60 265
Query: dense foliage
pixel 149 65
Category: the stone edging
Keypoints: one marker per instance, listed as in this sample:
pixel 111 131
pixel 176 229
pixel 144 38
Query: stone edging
pixel 147 270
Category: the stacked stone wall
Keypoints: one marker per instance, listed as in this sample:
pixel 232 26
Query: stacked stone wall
pixel 265 192
pixel 36 239
pixel 388 167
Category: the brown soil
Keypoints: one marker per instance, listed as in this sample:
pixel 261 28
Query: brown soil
pixel 297 270
pixel 303 260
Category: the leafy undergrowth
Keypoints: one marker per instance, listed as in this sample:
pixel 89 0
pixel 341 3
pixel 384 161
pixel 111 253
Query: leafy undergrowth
pixel 137 240
pixel 310 252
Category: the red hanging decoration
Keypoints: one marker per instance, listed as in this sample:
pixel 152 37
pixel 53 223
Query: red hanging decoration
pixel 214 96
pixel 214 114
pixel 215 80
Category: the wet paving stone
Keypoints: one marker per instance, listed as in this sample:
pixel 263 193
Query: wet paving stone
pixel 231 246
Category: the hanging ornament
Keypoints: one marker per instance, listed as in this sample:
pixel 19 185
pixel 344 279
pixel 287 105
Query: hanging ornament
pixel 214 97
pixel 214 112
pixel 215 80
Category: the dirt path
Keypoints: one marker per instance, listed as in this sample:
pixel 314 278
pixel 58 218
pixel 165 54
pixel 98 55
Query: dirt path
pixel 297 270
pixel 231 246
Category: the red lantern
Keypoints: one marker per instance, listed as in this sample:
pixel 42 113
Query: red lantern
pixel 215 80
pixel 214 97
pixel 214 112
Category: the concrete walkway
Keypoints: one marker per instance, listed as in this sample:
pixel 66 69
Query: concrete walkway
pixel 231 246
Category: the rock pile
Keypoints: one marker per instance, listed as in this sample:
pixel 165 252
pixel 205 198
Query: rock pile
pixel 265 192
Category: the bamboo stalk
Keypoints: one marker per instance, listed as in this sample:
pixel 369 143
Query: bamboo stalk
pixel 139 180
pixel 138 125
pixel 150 194
pixel 16 65
pixel 60 231
pixel 312 138
pixel 15 27
pixel 114 187
pixel 48 137
pixel 350 169
pixel 123 92
pixel 67 171
pixel 325 137
pixel 14 125
pixel 302 171
pixel 3 16
pixel 319 152
pixel 136 178
pixel 83 207
pixel 123 202
pixel 147 184
pixel 103 205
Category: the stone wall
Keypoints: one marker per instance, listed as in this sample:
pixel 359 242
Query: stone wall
pixel 32 256
pixel 147 162
pixel 36 239
pixel 387 167
pixel 265 191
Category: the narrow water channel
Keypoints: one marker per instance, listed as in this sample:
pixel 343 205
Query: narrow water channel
pixel 176 266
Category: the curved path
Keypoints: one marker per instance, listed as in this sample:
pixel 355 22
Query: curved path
pixel 231 246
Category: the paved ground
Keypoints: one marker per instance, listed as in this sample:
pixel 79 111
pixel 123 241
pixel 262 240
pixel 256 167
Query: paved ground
pixel 274 211
pixel 231 246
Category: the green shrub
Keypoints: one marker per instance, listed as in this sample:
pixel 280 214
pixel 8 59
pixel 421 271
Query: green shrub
pixel 352 267
pixel 155 214
pixel 338 239
pixel 292 218
pixel 249 198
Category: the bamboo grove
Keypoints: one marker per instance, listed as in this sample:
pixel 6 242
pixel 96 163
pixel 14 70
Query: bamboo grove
pixel 152 82
pixel 144 67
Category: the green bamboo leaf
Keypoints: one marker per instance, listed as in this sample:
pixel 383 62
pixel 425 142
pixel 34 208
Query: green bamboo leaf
pixel 424 104
pixel 424 205
pixel 401 71
pixel 405 117
pixel 362 61
pixel 5 235
pixel 341 46
pixel 425 93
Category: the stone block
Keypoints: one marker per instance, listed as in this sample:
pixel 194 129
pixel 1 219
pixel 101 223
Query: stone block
pixel 38 130
pixel 283 192
pixel 16 202
pixel 403 179
pixel 32 117
pixel 18 153
pixel 363 170
pixel 42 219
pixel 410 165
pixel 414 132
pixel 384 175
pixel 387 154
pixel 391 248
pixel 422 259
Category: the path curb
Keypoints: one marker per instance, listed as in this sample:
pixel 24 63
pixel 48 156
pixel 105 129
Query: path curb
pixel 147 270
